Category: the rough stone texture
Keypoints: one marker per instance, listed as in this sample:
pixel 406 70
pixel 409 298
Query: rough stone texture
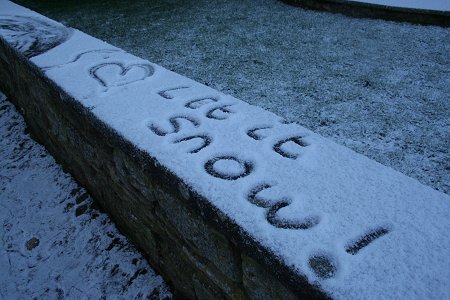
pixel 198 250
pixel 260 284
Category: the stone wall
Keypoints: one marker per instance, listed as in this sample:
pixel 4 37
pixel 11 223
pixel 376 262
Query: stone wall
pixel 199 251
pixel 374 11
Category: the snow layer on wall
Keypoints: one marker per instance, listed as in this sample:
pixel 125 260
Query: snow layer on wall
pixel 352 226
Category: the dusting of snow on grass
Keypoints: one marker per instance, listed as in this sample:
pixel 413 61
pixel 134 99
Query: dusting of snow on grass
pixel 352 226
pixel 380 88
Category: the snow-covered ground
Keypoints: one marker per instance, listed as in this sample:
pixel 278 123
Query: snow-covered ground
pixel 54 243
pixel 380 88
pixel 441 5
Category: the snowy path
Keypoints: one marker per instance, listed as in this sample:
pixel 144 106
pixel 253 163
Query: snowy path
pixel 53 243
pixel 440 5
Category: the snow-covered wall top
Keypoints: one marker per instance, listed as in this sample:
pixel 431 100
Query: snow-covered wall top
pixel 350 225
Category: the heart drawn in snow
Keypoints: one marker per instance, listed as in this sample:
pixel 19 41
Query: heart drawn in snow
pixel 116 74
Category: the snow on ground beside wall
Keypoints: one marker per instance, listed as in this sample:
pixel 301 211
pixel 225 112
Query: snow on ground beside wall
pixel 54 243
pixel 442 5
pixel 380 88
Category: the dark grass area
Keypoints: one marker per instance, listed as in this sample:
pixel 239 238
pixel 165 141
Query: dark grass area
pixel 381 88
